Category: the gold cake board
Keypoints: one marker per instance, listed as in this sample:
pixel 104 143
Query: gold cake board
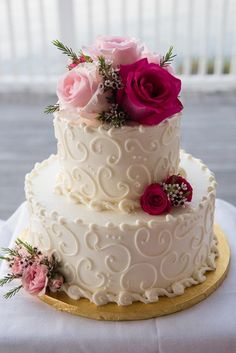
pixel 139 311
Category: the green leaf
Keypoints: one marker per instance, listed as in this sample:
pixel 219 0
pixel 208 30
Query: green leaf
pixel 26 245
pixel 4 258
pixel 51 109
pixel 168 58
pixel 10 252
pixel 12 292
pixel 7 279
pixel 65 50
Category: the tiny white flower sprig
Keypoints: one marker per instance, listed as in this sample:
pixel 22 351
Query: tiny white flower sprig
pixel 178 190
pixel 115 115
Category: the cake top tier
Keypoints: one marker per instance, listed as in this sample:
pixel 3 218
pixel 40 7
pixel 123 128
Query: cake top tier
pixel 116 81
pixel 109 168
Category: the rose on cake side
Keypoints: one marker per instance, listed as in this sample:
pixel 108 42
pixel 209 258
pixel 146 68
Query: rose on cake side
pixel 158 198
pixel 154 200
pixel 117 81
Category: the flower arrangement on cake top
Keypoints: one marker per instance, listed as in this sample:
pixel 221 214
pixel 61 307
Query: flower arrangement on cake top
pixel 115 81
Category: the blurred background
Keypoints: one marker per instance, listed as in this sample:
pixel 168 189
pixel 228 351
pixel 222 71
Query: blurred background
pixel 203 34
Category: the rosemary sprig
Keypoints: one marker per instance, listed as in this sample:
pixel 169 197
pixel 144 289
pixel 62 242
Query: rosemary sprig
pixel 31 250
pixel 4 258
pixel 10 252
pixel 168 58
pixel 7 279
pixel 65 50
pixel 104 67
pixel 12 292
pixel 52 108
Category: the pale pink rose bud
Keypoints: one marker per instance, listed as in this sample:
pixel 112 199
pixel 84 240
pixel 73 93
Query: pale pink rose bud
pixel 55 283
pixel 23 252
pixel 34 279
pixel 72 66
pixel 17 266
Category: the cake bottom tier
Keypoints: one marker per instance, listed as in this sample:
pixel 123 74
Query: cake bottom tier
pixel 117 257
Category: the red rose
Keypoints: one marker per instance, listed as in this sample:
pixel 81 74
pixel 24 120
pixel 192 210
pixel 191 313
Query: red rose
pixel 184 185
pixel 150 93
pixel 154 200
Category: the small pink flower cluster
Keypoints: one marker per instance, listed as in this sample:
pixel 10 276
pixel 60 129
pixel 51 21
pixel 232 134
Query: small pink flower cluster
pixel 149 91
pixel 159 198
pixel 36 271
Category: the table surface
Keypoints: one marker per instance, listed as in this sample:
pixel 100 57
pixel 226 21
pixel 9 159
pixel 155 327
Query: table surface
pixel 29 326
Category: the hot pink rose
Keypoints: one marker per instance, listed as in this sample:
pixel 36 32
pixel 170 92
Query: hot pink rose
pixel 154 200
pixel 17 266
pixel 34 279
pixel 120 50
pixel 56 282
pixel 150 93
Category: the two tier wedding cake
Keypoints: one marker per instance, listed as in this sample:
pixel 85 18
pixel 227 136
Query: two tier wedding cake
pixel 126 214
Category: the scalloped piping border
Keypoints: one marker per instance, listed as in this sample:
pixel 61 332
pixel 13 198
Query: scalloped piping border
pixel 106 129
pixel 152 295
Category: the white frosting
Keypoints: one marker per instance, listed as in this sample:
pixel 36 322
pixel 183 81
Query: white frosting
pixel 112 256
pixel 108 168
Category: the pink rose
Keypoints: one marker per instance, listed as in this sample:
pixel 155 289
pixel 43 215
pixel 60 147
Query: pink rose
pixel 150 93
pixel 55 283
pixel 120 50
pixel 153 58
pixel 154 200
pixel 79 91
pixel 17 266
pixel 34 279
pixel 78 85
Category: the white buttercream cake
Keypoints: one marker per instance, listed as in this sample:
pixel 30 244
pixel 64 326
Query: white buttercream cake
pixel 84 207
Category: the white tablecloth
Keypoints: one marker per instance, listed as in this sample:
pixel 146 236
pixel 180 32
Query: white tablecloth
pixel 30 326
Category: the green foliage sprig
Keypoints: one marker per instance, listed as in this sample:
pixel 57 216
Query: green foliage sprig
pixel 12 292
pixel 168 57
pixel 65 50
pixel 52 109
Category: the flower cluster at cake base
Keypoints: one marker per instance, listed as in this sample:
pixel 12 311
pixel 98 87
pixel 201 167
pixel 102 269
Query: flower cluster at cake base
pixel 159 198
pixel 117 81
pixel 35 271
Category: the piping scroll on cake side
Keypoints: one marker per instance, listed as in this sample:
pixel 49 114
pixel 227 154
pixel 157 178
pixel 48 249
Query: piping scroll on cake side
pixel 108 168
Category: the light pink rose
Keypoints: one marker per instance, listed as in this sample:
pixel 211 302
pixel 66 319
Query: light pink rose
pixel 34 279
pixel 55 283
pixel 153 58
pixel 17 266
pixel 79 91
pixel 120 50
